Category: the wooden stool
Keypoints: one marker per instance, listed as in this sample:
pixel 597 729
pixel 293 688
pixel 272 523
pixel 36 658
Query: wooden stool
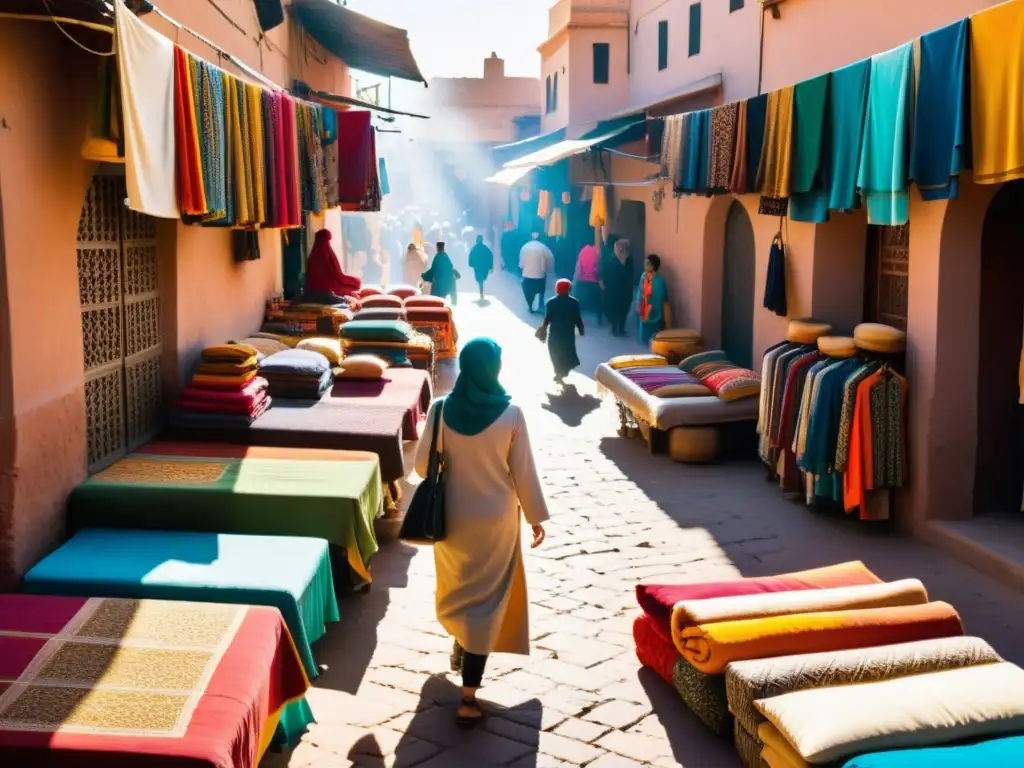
pixel 693 445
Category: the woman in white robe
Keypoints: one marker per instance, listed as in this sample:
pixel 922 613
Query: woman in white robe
pixel 489 476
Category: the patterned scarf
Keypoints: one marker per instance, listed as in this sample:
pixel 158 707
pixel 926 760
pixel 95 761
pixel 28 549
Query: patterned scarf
pixel 646 289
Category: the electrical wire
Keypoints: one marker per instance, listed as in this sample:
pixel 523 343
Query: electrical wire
pixel 69 36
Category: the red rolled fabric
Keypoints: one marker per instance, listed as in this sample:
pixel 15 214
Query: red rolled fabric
pixel 653 650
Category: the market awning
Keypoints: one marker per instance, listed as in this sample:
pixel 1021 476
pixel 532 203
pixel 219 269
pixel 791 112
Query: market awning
pixel 604 133
pixel 361 42
pixel 508 177
pixel 302 89
pixel 506 153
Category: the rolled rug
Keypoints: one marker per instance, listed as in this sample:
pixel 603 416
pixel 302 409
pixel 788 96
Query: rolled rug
pixel 688 614
pixel 658 600
pixel 705 695
pixel 823 725
pixel 1003 752
pixel 748 681
pixel 711 647
pixel 653 650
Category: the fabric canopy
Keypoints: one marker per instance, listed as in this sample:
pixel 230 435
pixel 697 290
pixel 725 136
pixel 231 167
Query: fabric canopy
pixel 361 42
pixel 603 133
pixel 508 177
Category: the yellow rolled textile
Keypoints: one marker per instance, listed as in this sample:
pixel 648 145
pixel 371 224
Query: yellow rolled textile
pixel 777 151
pixel 623 362
pixel 598 208
pixel 254 111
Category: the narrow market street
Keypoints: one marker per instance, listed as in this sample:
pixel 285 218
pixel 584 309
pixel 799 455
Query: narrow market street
pixel 619 516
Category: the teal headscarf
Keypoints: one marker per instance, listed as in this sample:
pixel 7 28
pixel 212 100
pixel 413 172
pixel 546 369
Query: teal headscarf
pixel 478 399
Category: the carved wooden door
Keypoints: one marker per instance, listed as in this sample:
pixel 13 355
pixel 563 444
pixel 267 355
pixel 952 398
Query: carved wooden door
pixel 888 276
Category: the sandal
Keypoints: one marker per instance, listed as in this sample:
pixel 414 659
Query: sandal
pixel 469 721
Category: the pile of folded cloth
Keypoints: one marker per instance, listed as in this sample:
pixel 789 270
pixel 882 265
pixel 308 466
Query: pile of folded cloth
pixel 304 319
pixel 431 316
pixel 392 340
pixel 297 373
pixel 830 666
pixel 225 389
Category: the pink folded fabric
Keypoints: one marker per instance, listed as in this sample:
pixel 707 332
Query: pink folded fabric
pixel 244 395
pixel 249 406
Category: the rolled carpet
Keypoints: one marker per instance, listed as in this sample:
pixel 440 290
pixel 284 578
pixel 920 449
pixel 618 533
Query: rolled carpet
pixel 828 724
pixel 993 753
pixel 654 651
pixel 705 695
pixel 688 614
pixel 748 745
pixel 748 681
pixel 657 600
pixel 711 647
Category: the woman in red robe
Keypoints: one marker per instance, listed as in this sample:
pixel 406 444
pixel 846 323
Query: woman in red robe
pixel 323 271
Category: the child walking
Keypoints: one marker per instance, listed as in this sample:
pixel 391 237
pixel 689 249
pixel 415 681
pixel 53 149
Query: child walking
pixel 562 318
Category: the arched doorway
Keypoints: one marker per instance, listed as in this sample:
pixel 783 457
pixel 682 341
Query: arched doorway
pixel 118 291
pixel 999 467
pixel 738 287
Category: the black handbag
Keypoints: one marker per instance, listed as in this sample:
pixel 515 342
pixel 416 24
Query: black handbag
pixel 425 520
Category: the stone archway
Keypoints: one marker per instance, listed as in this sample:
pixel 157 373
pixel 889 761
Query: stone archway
pixel 738 281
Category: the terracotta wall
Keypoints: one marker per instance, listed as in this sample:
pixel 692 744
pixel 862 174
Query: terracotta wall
pixel 46 86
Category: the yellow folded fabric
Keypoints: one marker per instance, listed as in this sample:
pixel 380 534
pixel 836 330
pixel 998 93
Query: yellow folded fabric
pixel 223 382
pixel 691 614
pixel 636 361
pixel 235 353
pixel 598 208
pixel 997 93
pixel 780 753
pixel 228 369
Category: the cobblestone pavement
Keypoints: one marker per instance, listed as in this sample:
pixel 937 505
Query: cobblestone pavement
pixel 619 516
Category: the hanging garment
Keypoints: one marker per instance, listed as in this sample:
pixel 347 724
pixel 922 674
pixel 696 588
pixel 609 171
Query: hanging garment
pixel 775 283
pixel 191 198
pixel 238 131
pixel 670 136
pixel 882 176
pixel 146 67
pixel 773 179
pixel 358 183
pixel 942 125
pixel 846 413
pixel 104 137
pixel 543 204
pixel 213 140
pixel 847 104
pixel 598 208
pixel 757 114
pixel 809 196
pixel 738 181
pixel 272 170
pixel 997 93
pixel 695 170
pixel 679 169
pixel 290 150
pixel 723 146
pixel 257 162
pixel 556 223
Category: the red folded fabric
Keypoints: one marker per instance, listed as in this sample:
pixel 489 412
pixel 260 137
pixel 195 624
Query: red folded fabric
pixel 657 600
pixel 653 650
pixel 244 395
pixel 248 406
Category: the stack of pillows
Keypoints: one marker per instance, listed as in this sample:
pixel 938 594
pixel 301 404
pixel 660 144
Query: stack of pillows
pixel 297 373
pixel 700 375
pixel 386 339
pixel 226 388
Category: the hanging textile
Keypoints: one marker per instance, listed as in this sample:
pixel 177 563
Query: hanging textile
pixel 809 195
pixel 104 137
pixel 598 208
pixel 679 169
pixel 882 177
pixel 695 169
pixel 358 184
pixel 738 181
pixel 723 146
pixel 212 138
pixel 257 162
pixel 238 129
pixel 385 185
pixel 847 105
pixel 272 162
pixel 146 71
pixel 290 151
pixel 330 118
pixel 757 114
pixel 670 136
pixel 877 452
pixel 773 179
pixel 556 223
pixel 191 196
pixel 543 204
pixel 997 93
pixel 942 125
pixel 775 283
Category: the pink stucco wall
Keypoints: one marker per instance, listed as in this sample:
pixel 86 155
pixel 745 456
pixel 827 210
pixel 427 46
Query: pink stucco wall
pixel 556 62
pixel 590 101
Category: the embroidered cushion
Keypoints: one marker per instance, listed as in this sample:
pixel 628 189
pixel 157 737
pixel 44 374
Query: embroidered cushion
pixel 729 383
pixel 366 367
pixel 329 348
pixel 837 346
pixel 806 331
pixel 636 361
pixel 378 302
pixel 403 291
pixel 711 356
pixel 875 337
pixel 377 330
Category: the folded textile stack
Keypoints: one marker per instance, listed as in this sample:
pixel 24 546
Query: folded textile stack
pixel 735 645
pixel 225 388
pixel 297 373
pixel 437 323
pixel 306 318
pixel 403 291
pixel 393 340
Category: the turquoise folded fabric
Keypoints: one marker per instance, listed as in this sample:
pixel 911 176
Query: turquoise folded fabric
pixel 849 91
pixel 290 573
pixel 296 718
pixel 994 753
pixel 942 122
pixel 808 199
pixel 883 174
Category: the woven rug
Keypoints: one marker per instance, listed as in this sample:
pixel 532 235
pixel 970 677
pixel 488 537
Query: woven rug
pixel 705 695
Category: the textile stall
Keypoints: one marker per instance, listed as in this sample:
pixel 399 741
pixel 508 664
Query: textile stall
pixel 832 416
pixel 831 666
pixel 85 667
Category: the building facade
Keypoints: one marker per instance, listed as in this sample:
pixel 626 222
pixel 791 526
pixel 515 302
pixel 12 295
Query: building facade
pixel 103 311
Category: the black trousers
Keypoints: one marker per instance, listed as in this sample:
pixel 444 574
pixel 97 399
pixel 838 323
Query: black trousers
pixel 532 288
pixel 473 665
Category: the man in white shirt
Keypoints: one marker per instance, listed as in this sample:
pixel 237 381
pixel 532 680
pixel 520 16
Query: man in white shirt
pixel 536 261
